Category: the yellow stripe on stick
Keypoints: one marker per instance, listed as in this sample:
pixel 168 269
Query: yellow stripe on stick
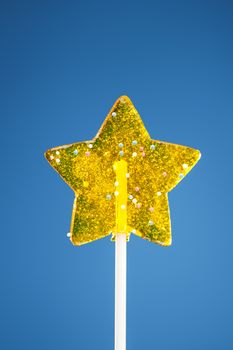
pixel 120 168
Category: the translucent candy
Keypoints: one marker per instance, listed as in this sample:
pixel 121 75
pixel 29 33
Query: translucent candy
pixel 153 169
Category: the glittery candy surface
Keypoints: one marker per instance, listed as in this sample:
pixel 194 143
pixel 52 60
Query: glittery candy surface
pixel 153 169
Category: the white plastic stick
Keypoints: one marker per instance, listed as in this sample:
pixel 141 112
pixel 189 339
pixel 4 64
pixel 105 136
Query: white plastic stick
pixel 120 291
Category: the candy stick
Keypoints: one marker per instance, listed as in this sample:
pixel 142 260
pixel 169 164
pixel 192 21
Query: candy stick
pixel 120 291
pixel 120 254
pixel 121 181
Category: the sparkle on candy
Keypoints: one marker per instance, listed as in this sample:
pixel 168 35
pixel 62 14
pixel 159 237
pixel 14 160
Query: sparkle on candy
pixel 87 167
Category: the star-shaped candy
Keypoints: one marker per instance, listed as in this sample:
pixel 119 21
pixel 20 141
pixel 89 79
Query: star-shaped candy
pixel 153 169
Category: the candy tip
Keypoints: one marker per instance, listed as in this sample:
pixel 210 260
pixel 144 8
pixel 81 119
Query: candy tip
pixel 124 99
pixel 46 154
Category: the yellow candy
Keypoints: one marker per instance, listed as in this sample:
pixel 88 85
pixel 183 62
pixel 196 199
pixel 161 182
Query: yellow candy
pixel 121 178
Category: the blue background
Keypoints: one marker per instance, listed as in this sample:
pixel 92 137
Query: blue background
pixel 63 65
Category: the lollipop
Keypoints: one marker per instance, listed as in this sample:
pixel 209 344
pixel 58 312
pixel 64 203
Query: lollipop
pixel 121 180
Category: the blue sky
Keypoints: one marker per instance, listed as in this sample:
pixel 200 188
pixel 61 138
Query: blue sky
pixel 63 65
